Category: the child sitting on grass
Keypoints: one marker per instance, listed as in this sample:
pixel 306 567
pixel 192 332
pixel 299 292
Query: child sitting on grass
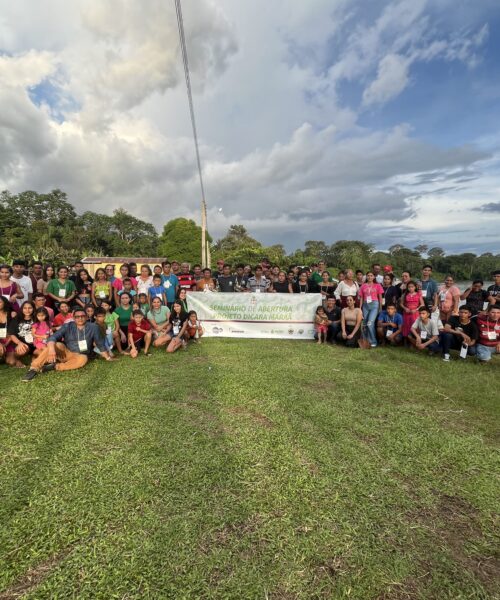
pixel 194 330
pixel 424 333
pixel 139 334
pixel 63 316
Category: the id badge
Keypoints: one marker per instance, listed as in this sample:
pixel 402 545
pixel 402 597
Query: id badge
pixel 383 301
pixel 167 284
pixel 485 305
pixel 388 333
pixel 368 299
pixel 108 330
pixel 3 332
pixel 176 329
pixel 442 296
pixel 159 296
pixel 492 335
pixel 257 290
pixel 29 338
pixel 463 351
pixel 82 345
pixel 6 296
pixel 423 335
pixel 62 293
pixel 424 293
pixel 102 294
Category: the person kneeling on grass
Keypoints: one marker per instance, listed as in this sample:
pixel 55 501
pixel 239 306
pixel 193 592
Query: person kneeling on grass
pixel 424 333
pixel 194 330
pixel 79 337
pixel 139 334
pixel 460 333
pixel 389 326
pixel 489 334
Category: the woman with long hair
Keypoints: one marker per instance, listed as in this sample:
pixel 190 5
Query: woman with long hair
pixel 178 320
pixel 83 284
pixel 101 288
pixel 21 341
pixel 9 290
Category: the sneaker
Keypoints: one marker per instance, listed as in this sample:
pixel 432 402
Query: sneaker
pixel 446 358
pixel 31 374
pixel 373 345
pixel 48 367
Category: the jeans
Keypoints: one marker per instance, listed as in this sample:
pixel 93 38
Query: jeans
pixel 370 312
pixel 449 341
pixel 484 353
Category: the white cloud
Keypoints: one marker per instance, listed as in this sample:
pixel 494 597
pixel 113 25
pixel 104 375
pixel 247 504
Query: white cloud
pixel 282 152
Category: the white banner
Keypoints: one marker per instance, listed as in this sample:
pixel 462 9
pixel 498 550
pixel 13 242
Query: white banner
pixel 254 315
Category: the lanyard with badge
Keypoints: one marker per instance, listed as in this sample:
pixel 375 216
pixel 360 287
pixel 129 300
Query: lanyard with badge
pixel 82 344
pixel 3 330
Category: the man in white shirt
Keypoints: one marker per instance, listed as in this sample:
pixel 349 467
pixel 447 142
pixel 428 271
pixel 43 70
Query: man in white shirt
pixel 22 280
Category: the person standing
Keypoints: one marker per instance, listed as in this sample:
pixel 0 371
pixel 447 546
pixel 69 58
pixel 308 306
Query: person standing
pixel 170 283
pixel 281 285
pixel 258 284
pixel 476 297
pixel 494 290
pixel 448 298
pixel 61 288
pixel 347 287
pixel 370 296
pixel 9 289
pixel 429 288
pixel 36 274
pixel 226 282
pixel 207 283
pixel 22 280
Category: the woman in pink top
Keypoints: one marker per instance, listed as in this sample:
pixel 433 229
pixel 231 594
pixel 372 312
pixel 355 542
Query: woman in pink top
pixel 448 299
pixel 370 296
pixel 410 302
pixel 10 290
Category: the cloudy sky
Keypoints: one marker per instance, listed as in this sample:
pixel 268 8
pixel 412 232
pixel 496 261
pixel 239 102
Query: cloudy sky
pixel 318 119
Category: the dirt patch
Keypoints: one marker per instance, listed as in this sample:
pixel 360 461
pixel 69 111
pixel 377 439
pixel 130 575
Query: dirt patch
pixel 259 418
pixel 33 578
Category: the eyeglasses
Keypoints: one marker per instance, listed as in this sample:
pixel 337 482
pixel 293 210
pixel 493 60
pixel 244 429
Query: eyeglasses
pixel 80 316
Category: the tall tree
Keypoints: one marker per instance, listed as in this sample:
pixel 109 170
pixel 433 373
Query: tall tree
pixel 181 240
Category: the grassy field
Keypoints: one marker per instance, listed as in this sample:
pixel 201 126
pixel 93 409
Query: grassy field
pixel 252 469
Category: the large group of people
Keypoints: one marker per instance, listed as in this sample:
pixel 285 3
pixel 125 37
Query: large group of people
pixel 61 317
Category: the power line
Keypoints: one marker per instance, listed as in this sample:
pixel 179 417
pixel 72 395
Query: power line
pixel 205 248
pixel 180 24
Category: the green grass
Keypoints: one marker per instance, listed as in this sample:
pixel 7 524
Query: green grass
pixel 252 469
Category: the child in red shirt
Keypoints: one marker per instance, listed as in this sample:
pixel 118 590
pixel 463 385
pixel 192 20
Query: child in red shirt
pixel 139 334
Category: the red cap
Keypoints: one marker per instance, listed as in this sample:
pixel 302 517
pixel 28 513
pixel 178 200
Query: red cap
pixel 387 269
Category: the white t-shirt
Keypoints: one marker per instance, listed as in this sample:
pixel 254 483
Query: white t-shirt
pixel 26 287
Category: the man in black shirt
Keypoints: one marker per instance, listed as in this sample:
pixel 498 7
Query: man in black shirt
pixel 494 290
pixel 333 313
pixel 226 282
pixel 460 333
pixel 475 297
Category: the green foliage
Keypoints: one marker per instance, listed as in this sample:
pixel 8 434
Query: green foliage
pixel 239 247
pixel 181 240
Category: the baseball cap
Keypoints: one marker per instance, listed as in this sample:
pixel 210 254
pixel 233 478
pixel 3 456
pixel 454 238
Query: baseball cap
pixel 387 269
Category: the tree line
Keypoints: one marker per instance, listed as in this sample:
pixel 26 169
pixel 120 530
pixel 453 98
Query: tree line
pixel 46 227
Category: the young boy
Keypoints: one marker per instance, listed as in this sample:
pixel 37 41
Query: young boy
pixel 389 326
pixel 157 291
pixel 139 334
pixel 460 333
pixel 424 332
pixel 111 324
pixel 63 316
pixel 100 320
pixel 127 288
pixel 142 300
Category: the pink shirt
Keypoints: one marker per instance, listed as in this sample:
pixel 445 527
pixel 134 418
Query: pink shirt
pixel 118 283
pixel 369 292
pixel 446 296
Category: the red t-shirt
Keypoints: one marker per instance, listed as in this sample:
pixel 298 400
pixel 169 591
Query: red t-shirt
pixel 186 281
pixel 138 335
pixel 60 319
pixel 489 331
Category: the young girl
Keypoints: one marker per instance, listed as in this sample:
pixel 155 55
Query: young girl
pixel 90 312
pixel 101 288
pixel 83 284
pixel 111 327
pixel 410 302
pixel 194 330
pixel 182 299
pixel 178 321
pixel 41 329
pixel 100 320
pixel 321 324
pixel 5 316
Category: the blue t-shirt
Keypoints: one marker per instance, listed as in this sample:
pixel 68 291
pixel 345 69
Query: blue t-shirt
pixel 396 319
pixel 157 292
pixel 170 282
